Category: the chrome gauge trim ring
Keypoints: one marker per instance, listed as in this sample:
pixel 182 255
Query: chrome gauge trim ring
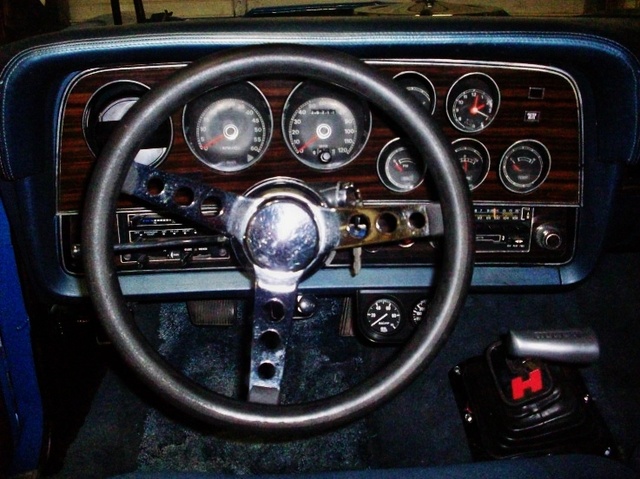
pixel 325 145
pixel 421 85
pixel 107 97
pixel 482 152
pixel 243 122
pixel 527 181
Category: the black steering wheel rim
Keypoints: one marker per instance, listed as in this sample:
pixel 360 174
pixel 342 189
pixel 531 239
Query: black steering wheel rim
pixel 244 64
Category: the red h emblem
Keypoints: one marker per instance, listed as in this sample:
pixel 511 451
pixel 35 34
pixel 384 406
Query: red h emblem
pixel 520 385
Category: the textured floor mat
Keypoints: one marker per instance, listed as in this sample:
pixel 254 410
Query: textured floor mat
pixel 319 363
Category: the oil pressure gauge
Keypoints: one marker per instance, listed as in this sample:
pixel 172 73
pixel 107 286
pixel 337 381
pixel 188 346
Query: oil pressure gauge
pixel 473 102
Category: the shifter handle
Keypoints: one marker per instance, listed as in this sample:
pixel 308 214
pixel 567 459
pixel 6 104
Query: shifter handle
pixel 573 346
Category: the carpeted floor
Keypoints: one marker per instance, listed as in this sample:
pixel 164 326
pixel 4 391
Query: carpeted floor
pixel 123 432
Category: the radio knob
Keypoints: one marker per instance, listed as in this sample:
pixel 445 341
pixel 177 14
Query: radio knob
pixel 548 237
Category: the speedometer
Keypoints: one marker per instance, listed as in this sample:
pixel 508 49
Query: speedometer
pixel 325 128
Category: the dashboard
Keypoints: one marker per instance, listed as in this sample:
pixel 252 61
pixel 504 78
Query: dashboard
pixel 541 121
pixel 515 129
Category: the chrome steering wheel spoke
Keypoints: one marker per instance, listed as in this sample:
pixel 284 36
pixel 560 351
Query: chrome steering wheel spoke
pixel 369 225
pixel 207 206
pixel 273 307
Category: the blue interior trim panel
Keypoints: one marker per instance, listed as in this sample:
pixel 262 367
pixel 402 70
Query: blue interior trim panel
pixel 18 380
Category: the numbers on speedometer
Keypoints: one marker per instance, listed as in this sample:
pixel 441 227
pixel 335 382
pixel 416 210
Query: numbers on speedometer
pixel 325 128
pixel 228 129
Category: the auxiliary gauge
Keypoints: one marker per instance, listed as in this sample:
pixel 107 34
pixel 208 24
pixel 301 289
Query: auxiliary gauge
pixel 473 102
pixel 420 87
pixel 384 317
pixel 474 159
pixel 399 167
pixel 524 166
pixel 106 108
pixel 419 311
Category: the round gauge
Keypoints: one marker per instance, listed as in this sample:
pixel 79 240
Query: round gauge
pixel 420 87
pixel 400 169
pixel 104 110
pixel 384 317
pixel 473 102
pixel 419 311
pixel 474 159
pixel 228 129
pixel 524 166
pixel 325 128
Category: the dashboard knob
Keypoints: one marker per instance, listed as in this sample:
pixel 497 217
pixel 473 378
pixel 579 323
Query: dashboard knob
pixel 548 237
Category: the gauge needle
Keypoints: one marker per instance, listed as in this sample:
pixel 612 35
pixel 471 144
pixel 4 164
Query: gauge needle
pixel 398 167
pixel 475 109
pixel 379 319
pixel 212 141
pixel 309 142
pixel 515 166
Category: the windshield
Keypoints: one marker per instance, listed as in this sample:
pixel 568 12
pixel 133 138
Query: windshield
pixel 30 17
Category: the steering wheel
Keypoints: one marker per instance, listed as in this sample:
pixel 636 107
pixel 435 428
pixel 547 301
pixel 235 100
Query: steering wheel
pixel 282 233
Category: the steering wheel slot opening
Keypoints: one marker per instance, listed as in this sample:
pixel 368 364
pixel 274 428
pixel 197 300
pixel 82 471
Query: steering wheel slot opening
pixel 387 223
pixel 183 196
pixel 271 340
pixel 275 310
pixel 155 186
pixel 417 220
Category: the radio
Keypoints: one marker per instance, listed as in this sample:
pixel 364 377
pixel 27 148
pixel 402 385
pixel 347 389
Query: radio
pixel 138 227
pixel 503 229
pixel 504 234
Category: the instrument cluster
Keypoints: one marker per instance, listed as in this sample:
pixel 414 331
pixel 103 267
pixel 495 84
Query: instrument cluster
pixel 229 129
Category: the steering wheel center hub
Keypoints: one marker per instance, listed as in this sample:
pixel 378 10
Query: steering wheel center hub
pixel 282 236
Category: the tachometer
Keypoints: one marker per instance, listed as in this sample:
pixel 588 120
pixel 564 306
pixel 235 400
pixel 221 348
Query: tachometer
pixel 228 129
pixel 325 128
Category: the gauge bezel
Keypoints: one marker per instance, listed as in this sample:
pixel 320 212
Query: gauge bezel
pixel 521 188
pixel 423 78
pixel 321 90
pixel 225 93
pixel 383 159
pixel 487 159
pixel 90 109
pixel 472 80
